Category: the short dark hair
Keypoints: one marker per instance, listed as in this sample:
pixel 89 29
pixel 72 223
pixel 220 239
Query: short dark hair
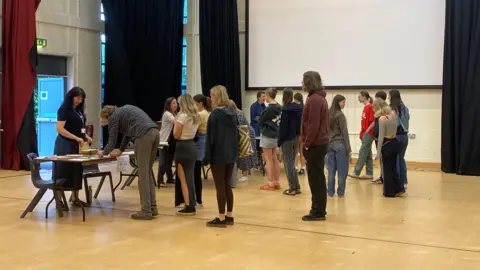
pixel 259 94
pixel 381 94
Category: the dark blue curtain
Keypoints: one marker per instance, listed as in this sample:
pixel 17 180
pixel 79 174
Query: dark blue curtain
pixel 219 47
pixel 461 88
pixel 143 53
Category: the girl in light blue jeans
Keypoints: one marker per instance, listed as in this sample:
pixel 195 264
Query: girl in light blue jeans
pixel 338 155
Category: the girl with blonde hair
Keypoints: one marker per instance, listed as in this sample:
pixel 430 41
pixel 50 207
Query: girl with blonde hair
pixel 221 153
pixel 184 131
pixel 388 149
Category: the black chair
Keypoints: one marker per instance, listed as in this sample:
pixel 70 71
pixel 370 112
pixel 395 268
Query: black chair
pixel 93 171
pixel 43 186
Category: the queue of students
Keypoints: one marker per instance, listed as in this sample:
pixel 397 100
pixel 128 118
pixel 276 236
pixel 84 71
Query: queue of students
pixel 200 132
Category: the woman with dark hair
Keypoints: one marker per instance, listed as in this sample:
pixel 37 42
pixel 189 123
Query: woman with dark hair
pixel 403 117
pixel 290 121
pixel 298 98
pixel 166 135
pixel 202 104
pixel 71 130
pixel 339 149
pixel 366 135
pixel 268 122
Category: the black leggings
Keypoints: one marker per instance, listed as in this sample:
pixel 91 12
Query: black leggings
pixel 222 174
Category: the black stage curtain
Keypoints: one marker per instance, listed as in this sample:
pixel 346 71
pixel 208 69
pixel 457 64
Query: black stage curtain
pixel 461 89
pixel 19 79
pixel 143 53
pixel 220 47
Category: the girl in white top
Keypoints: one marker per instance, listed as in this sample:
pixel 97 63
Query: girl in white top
pixel 186 125
pixel 166 135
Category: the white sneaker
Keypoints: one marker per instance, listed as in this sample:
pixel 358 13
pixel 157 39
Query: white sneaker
pixel 243 179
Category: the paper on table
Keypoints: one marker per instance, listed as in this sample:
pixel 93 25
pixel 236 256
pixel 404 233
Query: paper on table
pixel 123 163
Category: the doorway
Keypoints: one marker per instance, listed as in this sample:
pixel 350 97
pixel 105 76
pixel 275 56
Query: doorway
pixel 49 95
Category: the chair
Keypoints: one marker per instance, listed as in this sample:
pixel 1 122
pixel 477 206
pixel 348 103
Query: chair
pixel 43 186
pixel 93 171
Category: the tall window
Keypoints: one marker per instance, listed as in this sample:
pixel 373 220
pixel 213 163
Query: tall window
pixel 184 52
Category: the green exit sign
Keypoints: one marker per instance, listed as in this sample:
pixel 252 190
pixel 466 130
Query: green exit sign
pixel 41 42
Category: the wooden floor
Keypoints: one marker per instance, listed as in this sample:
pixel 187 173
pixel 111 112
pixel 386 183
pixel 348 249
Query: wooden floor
pixel 436 226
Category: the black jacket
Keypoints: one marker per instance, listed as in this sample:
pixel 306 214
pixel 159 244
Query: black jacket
pixel 290 123
pixel 269 120
pixel 221 140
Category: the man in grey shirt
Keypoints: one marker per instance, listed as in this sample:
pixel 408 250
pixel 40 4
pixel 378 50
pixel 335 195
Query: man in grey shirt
pixel 135 124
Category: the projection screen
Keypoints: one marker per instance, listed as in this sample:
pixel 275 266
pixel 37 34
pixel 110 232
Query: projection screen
pixel 352 43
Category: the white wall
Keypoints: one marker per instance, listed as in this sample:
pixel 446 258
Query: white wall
pixel 424 105
pixel 72 28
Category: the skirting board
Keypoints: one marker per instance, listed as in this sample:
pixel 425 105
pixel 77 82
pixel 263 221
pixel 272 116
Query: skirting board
pixel 412 165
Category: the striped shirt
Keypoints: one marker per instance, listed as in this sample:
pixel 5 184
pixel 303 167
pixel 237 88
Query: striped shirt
pixel 129 120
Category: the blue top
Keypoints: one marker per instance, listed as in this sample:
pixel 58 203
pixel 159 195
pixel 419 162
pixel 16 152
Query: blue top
pixel 403 119
pixel 290 122
pixel 255 111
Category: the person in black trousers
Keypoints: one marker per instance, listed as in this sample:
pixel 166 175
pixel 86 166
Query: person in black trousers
pixel 221 153
pixel 315 143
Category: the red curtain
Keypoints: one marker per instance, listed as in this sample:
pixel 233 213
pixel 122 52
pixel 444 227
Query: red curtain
pixel 19 77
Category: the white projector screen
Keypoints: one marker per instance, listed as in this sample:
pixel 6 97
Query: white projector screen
pixel 351 43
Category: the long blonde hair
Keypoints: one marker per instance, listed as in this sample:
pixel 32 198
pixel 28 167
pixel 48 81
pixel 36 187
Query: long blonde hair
pixel 381 107
pixel 221 96
pixel 187 107
pixel 234 105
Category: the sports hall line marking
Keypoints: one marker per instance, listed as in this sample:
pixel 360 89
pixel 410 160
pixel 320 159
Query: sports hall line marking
pixel 296 230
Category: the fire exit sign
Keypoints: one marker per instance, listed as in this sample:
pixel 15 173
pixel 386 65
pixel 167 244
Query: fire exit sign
pixel 41 42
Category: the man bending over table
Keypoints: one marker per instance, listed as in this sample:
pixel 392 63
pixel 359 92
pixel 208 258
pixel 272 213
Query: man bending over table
pixel 135 124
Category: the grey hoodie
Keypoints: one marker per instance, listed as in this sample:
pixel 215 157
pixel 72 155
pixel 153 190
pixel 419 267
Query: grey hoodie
pixel 338 131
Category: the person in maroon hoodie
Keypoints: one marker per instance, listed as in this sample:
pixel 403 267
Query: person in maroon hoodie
pixel 315 142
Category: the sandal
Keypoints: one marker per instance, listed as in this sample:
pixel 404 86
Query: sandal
pixel 290 192
pixel 62 206
pixel 267 187
pixel 277 187
pixel 79 203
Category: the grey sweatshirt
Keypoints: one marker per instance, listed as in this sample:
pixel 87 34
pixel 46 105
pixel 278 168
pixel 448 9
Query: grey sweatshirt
pixel 338 131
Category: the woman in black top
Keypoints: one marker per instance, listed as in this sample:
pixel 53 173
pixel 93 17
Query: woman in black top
pixel 221 152
pixel 71 133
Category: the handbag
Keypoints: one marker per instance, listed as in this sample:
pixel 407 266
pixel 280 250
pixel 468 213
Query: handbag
pixel 244 145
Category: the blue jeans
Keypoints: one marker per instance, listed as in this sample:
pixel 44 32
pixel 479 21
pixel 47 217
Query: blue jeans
pixel 337 162
pixel 365 156
pixel 401 164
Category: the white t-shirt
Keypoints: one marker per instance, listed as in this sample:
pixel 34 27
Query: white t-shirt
pixel 189 129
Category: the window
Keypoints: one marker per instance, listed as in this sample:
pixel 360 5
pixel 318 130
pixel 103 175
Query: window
pixel 184 51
